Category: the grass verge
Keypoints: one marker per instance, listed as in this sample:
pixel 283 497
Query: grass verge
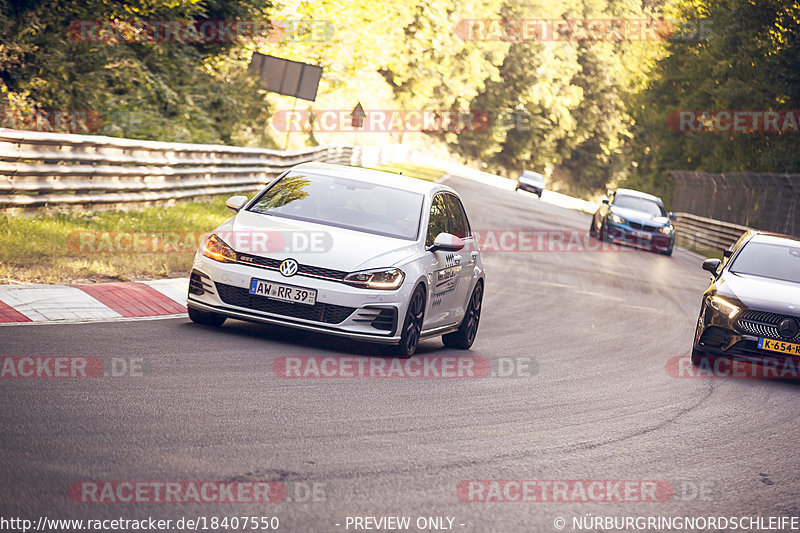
pixel 413 170
pixel 101 246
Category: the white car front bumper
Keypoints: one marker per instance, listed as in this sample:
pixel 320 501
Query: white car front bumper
pixel 340 309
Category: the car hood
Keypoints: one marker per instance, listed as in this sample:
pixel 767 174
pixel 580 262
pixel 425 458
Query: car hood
pixel 639 216
pixel 761 293
pixel 314 244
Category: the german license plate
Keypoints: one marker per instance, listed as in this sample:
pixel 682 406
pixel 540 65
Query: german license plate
pixel 779 346
pixel 284 293
pixel 642 235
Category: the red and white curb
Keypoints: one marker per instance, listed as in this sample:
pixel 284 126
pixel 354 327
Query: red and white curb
pixel 26 304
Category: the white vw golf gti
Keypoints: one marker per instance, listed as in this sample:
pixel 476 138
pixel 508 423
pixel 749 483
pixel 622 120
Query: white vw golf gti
pixel 359 253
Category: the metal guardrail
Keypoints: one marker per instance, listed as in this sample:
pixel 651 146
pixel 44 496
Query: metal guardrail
pixel 703 233
pixel 46 169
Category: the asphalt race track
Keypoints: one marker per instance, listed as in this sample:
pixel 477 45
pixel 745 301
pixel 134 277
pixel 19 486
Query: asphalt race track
pixel 587 336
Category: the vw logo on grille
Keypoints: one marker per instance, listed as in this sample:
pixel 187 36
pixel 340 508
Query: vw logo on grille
pixel 288 267
pixel 787 328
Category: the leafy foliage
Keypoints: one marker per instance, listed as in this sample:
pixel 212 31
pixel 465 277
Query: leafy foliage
pixel 587 113
pixel 747 57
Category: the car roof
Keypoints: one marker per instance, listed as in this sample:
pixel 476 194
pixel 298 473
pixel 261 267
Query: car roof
pixel 775 238
pixel 638 194
pixel 369 175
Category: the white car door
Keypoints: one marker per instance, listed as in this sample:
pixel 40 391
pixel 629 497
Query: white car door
pixel 443 270
pixel 459 226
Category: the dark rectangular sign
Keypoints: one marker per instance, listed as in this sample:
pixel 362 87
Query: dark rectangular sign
pixel 290 78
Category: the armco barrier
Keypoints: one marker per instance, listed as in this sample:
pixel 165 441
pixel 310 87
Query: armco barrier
pixel 703 233
pixel 48 169
pixel 40 169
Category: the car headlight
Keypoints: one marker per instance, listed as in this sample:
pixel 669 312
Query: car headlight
pixel 666 230
pixel 216 249
pixel 616 218
pixel 384 279
pixel 723 306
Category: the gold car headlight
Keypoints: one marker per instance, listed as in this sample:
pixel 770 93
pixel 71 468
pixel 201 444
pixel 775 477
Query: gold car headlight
pixel 216 249
pixel 384 279
pixel 723 306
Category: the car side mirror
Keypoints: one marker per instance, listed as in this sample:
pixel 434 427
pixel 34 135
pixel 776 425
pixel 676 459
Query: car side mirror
pixel 236 203
pixel 447 242
pixel 672 216
pixel 605 201
pixel 711 265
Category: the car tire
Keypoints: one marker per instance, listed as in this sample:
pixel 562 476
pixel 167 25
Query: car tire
pixel 603 232
pixel 412 325
pixel 593 230
pixel 206 319
pixel 463 338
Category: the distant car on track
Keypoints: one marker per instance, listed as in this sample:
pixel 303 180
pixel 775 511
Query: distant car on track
pixel 531 181
pixel 402 262
pixel 752 307
pixel 635 218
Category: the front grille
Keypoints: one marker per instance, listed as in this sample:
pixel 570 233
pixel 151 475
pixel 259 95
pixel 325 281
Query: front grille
pixel 321 272
pixel 764 324
pixel 258 261
pixel 302 270
pixel 639 225
pixel 319 312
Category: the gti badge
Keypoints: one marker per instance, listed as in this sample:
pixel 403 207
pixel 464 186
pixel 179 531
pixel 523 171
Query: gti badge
pixel 288 267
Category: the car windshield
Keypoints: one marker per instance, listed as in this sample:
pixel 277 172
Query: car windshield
pixel 640 204
pixel 768 260
pixel 344 203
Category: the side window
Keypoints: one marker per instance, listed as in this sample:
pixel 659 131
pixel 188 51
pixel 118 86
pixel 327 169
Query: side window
pixel 438 219
pixel 730 251
pixel 458 219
